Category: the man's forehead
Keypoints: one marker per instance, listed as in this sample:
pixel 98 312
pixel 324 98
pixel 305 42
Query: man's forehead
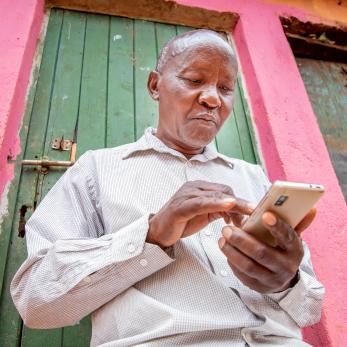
pixel 197 38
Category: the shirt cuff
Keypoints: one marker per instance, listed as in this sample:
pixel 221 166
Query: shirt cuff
pixel 130 242
pixel 278 296
pixel 303 302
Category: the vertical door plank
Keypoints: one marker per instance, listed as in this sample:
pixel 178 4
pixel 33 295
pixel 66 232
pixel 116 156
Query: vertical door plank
pixel 92 107
pixel 91 124
pixel 145 57
pixel 242 126
pixel 66 92
pixel 10 322
pixel 248 118
pixel 228 138
pixel 163 33
pixel 62 120
pixel 120 93
pixel 183 29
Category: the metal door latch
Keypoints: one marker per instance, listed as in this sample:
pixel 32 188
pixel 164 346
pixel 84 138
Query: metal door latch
pixel 46 163
pixel 59 144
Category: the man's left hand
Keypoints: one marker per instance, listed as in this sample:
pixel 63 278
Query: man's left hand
pixel 261 267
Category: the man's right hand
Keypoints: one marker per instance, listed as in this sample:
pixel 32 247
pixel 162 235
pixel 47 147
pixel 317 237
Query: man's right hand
pixel 191 208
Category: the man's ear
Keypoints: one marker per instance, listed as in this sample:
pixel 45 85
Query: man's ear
pixel 152 85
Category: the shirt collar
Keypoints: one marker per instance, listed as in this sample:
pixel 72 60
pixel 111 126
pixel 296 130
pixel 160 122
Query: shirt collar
pixel 150 142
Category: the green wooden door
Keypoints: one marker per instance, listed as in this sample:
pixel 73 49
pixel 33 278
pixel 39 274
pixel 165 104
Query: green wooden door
pixel 92 79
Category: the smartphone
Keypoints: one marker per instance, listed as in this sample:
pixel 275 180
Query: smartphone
pixel 289 200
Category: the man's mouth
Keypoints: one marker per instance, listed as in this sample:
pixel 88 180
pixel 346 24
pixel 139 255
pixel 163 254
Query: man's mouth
pixel 206 118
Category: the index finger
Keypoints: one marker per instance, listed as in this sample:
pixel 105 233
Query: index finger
pixel 212 204
pixel 306 221
pixel 206 186
pixel 242 206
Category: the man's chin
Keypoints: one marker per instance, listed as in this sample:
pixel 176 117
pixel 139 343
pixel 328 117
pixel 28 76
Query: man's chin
pixel 200 139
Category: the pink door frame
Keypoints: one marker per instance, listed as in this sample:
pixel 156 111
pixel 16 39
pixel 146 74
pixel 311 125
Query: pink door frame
pixel 289 137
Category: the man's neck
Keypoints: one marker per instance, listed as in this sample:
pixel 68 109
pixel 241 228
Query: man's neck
pixel 188 153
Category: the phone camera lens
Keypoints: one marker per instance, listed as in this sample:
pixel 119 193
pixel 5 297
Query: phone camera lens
pixel 280 201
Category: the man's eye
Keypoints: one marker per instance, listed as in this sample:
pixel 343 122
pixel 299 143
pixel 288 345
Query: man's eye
pixel 226 89
pixel 188 80
pixel 195 81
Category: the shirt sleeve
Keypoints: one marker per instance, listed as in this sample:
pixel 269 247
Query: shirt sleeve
pixel 304 301
pixel 72 267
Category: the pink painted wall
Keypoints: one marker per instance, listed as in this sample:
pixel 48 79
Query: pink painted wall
pixel 20 25
pixel 290 138
pixel 292 145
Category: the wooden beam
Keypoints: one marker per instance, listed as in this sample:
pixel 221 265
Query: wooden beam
pixel 313 48
pixel 166 11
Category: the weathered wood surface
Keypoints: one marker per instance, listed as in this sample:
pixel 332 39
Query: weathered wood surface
pixel 92 78
pixel 165 11
pixel 326 85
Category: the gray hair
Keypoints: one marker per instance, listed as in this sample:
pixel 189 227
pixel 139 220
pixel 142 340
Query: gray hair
pixel 180 43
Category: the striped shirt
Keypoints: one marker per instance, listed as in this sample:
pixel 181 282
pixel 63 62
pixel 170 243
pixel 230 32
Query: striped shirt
pixel 87 253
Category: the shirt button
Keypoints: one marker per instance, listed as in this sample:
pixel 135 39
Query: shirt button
pixel 144 262
pixel 224 273
pixel 131 248
pixel 208 232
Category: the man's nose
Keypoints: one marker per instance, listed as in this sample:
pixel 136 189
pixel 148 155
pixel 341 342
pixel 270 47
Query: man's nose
pixel 209 97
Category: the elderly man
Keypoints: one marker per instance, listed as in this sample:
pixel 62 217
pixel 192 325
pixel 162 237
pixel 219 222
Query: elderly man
pixel 137 234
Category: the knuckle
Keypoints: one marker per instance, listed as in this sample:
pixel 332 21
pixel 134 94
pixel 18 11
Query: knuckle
pixel 224 229
pixel 190 184
pixel 235 235
pixel 218 195
pixel 199 203
pixel 233 268
pixel 227 189
pixel 260 253
pixel 249 268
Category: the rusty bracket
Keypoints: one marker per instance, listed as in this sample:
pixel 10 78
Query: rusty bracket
pixel 61 145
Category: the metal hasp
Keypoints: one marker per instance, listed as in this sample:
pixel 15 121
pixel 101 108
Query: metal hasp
pixel 58 144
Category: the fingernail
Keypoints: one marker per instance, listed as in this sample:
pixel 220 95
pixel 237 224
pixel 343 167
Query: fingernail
pixel 270 219
pixel 227 232
pixel 229 200
pixel 221 242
